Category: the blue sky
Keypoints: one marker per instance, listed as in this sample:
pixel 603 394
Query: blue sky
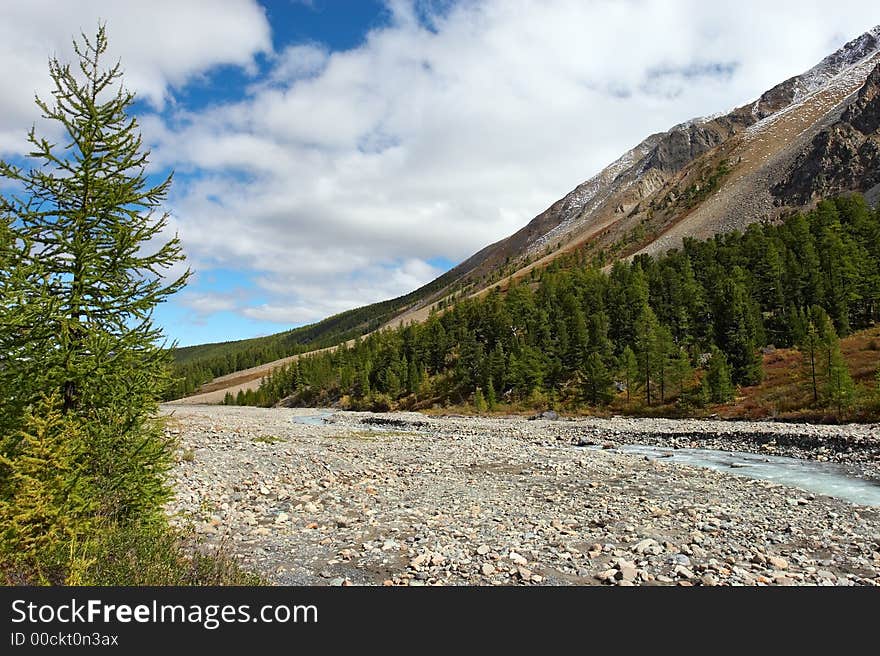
pixel 330 154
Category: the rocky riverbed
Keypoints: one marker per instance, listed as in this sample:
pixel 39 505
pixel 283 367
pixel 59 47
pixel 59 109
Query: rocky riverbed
pixel 404 499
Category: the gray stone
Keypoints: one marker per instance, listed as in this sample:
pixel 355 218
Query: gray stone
pixel 679 559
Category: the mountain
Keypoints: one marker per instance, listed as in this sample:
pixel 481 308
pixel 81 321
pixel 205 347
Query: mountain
pixel 814 134
pixel 811 136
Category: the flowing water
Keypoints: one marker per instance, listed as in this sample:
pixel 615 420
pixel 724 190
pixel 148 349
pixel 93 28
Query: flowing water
pixel 312 420
pixel 825 478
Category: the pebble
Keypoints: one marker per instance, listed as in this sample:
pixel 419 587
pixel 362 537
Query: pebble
pixel 474 501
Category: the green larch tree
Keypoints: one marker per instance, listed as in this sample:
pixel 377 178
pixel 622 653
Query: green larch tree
pixel 718 378
pixel 89 232
pixel 629 371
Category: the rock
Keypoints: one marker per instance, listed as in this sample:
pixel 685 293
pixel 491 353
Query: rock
pixel 491 501
pixel 777 562
pixel 648 546
pixel 517 559
pixel 626 570
pixel 679 559
pixel 683 572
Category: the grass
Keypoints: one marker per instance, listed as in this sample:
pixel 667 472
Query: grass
pixel 159 555
pixel 146 553
pixel 784 393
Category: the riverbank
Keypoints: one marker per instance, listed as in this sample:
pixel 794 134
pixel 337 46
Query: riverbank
pixel 493 501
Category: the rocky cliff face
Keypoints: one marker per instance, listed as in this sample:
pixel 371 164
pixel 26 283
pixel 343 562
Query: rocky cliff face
pixel 845 157
pixel 815 134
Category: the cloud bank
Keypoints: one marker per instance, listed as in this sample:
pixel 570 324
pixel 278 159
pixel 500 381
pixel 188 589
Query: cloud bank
pixel 340 175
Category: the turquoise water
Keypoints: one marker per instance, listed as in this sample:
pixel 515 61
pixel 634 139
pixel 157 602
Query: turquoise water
pixel 825 478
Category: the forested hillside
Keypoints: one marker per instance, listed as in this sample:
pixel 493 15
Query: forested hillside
pixel 685 327
pixel 196 365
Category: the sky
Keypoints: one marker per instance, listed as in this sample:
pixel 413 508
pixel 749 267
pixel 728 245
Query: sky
pixel 329 154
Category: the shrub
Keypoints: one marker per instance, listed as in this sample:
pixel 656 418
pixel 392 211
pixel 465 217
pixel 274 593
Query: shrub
pixel 47 509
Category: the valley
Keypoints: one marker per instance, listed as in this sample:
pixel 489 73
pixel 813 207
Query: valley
pixel 406 499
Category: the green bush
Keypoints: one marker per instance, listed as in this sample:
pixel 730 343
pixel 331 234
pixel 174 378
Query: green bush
pixel 47 509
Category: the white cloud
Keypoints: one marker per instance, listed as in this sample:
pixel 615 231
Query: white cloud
pixel 162 44
pixel 342 173
pixel 204 304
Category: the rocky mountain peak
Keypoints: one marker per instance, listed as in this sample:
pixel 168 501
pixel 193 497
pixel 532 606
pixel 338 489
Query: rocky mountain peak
pixel 864 113
pixel 788 92
pixel 844 157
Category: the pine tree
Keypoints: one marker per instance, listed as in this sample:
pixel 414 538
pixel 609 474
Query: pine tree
pixel 839 386
pixel 646 348
pixel 665 349
pixel 718 378
pixel 680 372
pixel 86 227
pixel 596 380
pixel 629 369
pixel 738 329
pixel 810 348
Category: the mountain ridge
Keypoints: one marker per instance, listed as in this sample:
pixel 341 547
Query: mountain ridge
pixel 707 175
